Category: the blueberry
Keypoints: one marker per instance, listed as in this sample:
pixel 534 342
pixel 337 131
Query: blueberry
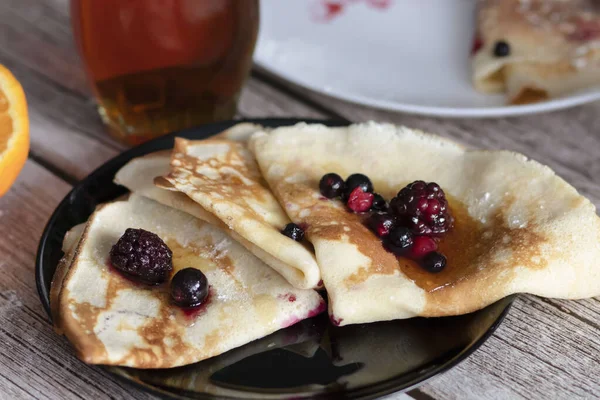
pixel 331 185
pixel 501 49
pixel 399 240
pixel 355 180
pixel 381 223
pixel 434 262
pixel 142 256
pixel 379 203
pixel 189 288
pixel 293 231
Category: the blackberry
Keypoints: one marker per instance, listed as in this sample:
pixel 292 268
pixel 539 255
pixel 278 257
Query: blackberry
pixel 294 232
pixel 423 208
pixel 189 288
pixel 332 185
pixel 142 256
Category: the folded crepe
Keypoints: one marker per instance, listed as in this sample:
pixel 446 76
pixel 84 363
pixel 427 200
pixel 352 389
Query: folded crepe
pixel 301 338
pixel 112 320
pixel 222 177
pixel 139 175
pixel 70 242
pixel 518 227
pixel 548 48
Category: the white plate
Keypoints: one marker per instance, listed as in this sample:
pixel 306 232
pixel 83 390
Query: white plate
pixel 404 55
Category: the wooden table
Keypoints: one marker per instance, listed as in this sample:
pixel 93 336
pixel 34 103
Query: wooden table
pixel 545 348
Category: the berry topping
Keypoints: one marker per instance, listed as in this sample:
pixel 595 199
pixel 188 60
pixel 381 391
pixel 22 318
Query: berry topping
pixel 434 262
pixel 477 44
pixel 189 288
pixel 142 256
pixel 501 49
pixel 294 232
pixel 399 240
pixel 360 201
pixel 358 180
pixel 379 203
pixel 381 223
pixel 423 208
pixel 332 185
pixel 422 245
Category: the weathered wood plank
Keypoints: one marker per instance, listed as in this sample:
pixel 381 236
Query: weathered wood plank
pixel 261 100
pixel 34 361
pixel 539 352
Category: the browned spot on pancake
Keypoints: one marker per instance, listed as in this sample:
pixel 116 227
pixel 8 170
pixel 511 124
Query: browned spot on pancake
pixel 530 95
pixel 163 336
pixel 86 316
pixel 229 185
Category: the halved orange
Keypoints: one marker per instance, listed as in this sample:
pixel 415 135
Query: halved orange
pixel 14 129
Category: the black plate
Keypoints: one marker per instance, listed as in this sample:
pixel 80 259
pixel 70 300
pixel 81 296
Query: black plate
pixel 311 359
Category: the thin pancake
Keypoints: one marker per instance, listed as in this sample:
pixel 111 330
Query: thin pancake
pixel 70 243
pixel 554 48
pixel 519 227
pixel 111 320
pixel 199 378
pixel 223 178
pixel 139 176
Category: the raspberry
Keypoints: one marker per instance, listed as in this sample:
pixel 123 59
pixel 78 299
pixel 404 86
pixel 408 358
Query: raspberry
pixel 360 201
pixel 358 180
pixel 477 45
pixel 422 245
pixel 142 256
pixel 423 208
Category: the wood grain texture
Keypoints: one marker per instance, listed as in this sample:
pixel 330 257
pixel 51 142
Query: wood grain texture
pixel 34 361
